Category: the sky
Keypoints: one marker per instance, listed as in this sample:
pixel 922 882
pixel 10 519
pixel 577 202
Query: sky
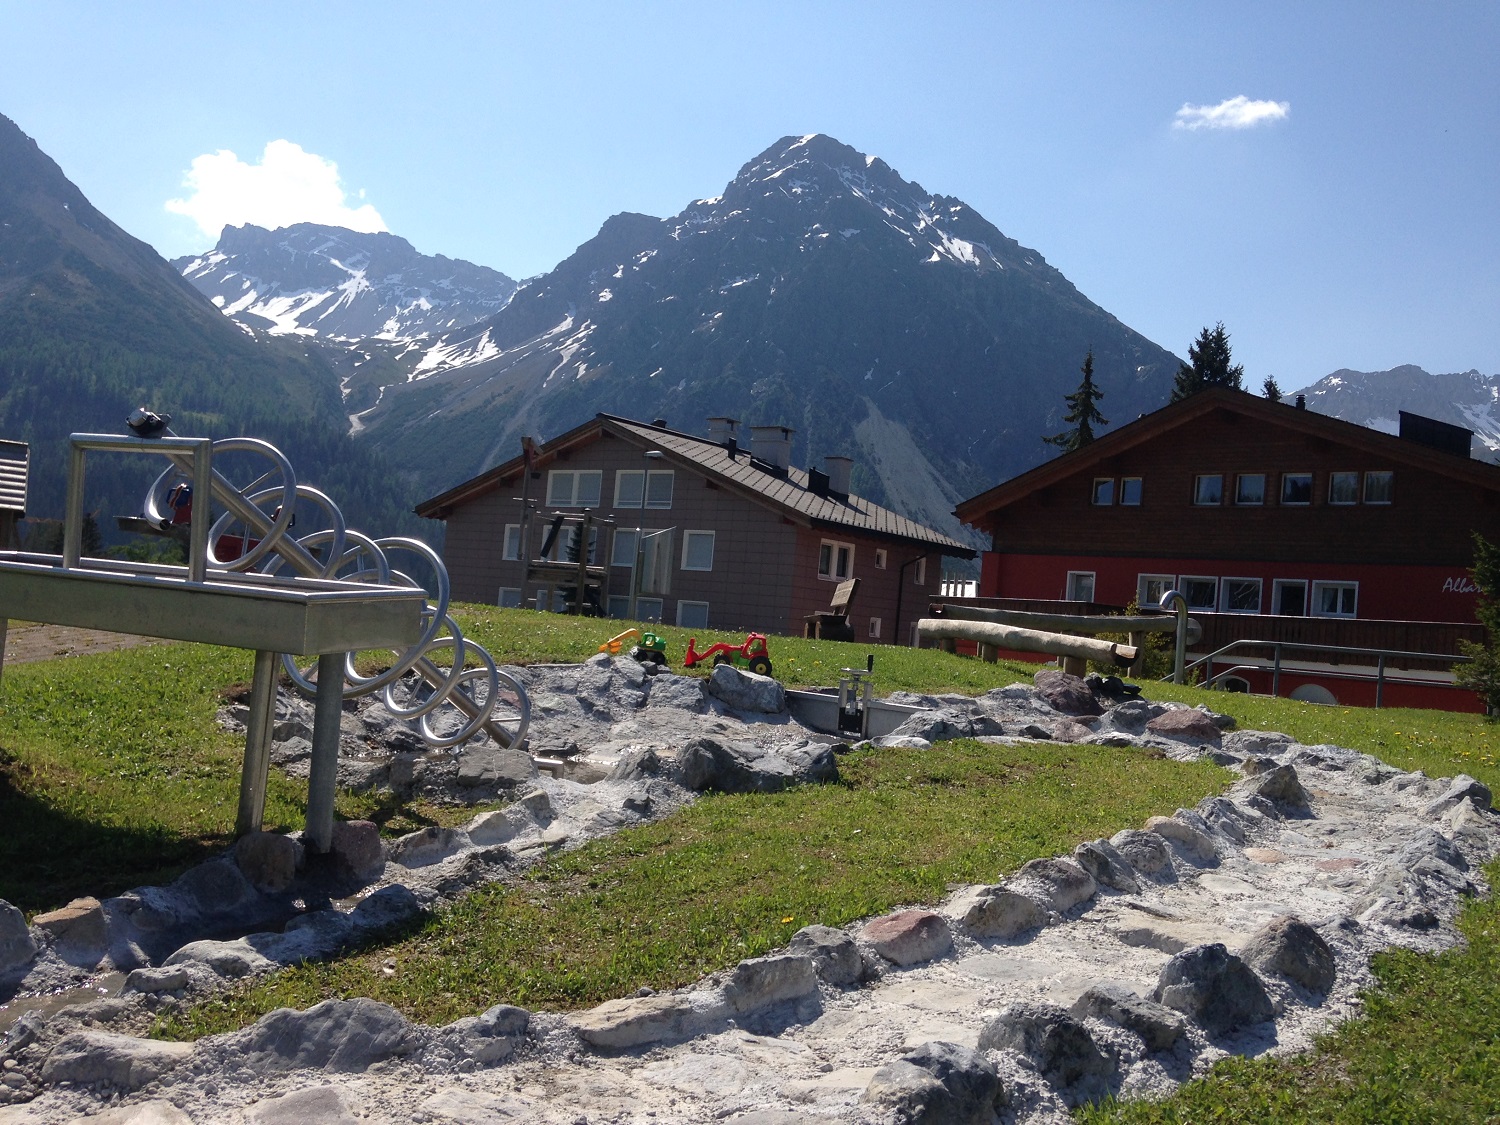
pixel 1323 178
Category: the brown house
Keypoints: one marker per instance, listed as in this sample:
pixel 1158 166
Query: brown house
pixel 747 541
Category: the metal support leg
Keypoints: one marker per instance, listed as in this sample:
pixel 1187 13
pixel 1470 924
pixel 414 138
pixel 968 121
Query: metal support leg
pixel 4 629
pixel 322 779
pixel 257 745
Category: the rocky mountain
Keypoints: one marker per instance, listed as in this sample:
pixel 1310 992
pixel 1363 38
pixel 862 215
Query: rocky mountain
pixel 1376 398
pixel 94 323
pixel 821 291
pixel 369 299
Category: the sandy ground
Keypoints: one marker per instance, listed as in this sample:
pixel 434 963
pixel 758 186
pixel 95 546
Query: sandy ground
pixel 26 642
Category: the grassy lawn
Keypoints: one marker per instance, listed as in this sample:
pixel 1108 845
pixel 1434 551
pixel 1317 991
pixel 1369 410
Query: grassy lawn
pixel 734 876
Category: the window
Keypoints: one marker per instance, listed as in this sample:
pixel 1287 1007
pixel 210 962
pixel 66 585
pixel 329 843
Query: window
pixel 1289 597
pixel 919 576
pixel 880 558
pixel 692 615
pixel 1241 595
pixel 573 488
pixel 648 609
pixel 835 560
pixel 1201 593
pixel 874 628
pixel 511 551
pixel 565 546
pixel 1080 586
pixel 1343 488
pixel 626 542
pixel 1151 588
pixel 553 600
pixel 1250 488
pixel 1208 488
pixel 650 488
pixel 1104 490
pixel 1334 599
pixel 1130 491
pixel 508 598
pixel 619 606
pixel 697 550
pixel 1296 488
pixel 1380 487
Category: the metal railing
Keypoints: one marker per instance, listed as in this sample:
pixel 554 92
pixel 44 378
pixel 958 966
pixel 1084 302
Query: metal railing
pixel 1381 655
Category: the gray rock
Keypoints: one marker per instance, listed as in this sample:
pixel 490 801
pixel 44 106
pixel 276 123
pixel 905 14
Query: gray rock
pixel 1133 715
pixel 340 1035
pixel 937 726
pixel 678 693
pixel 909 937
pixel 1056 1044
pixel 390 906
pixel 155 1112
pixel 231 959
pixel 166 978
pixel 472 1038
pixel 1461 788
pixel 1065 693
pixel 937 1084
pixel 1186 724
pixel 1281 787
pixel 324 1105
pixel 357 848
pixel 496 767
pixel 1431 845
pixel 760 982
pixel 429 845
pixel 123 1061
pixel 997 912
pixel 215 887
pixel 1159 1026
pixel 833 953
pixel 17 946
pixel 745 691
pixel 732 767
pixel 1144 851
pixel 1059 884
pixel 636 765
pixel 1190 842
pixel 1291 948
pixel 506 1019
pixel 79 931
pixel 1256 742
pixel 900 742
pixel 269 860
pixel 1109 868
pixel 637 1020
pixel 1214 987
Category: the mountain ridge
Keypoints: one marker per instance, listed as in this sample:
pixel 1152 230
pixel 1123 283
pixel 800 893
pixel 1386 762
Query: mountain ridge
pixel 1375 399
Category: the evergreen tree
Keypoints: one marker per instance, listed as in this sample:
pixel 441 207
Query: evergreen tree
pixel 1208 366
pixel 1270 389
pixel 1081 412
pixel 1482 672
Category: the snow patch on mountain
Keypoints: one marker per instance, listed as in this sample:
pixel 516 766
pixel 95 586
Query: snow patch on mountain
pixel 1375 399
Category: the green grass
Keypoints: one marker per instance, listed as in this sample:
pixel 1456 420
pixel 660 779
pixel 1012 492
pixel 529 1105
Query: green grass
pixel 1427 1049
pixel 734 876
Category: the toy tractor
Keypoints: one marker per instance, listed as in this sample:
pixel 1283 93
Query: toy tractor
pixel 752 655
pixel 652 648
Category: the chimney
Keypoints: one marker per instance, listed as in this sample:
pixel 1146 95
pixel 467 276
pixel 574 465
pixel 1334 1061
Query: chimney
pixel 839 469
pixel 1301 402
pixel 1434 434
pixel 772 445
pixel 725 431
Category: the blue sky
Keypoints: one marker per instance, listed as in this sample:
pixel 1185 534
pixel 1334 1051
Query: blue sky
pixel 1359 229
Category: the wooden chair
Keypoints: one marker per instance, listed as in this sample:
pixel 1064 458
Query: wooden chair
pixel 833 624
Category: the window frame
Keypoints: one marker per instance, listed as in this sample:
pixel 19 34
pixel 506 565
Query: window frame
pixel 1199 479
pixel 1125 483
pixel 510 549
pixel 1069 585
pixel 830 573
pixel 1212 605
pixel 500 600
pixel 874 628
pixel 687 537
pixel 1239 490
pixel 642 613
pixel 1350 477
pixel 1169 582
pixel 624 607
pixel 1280 584
pixel 683 603
pixel 575 475
pixel 1390 478
pixel 635 534
pixel 880 558
pixel 1287 479
pixel 645 477
pixel 1103 487
pixel 919 576
pixel 1315 608
pixel 1224 584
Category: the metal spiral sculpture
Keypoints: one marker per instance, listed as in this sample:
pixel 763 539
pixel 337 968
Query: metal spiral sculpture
pixel 264 509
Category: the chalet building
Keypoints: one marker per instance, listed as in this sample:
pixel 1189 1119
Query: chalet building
pixel 750 542
pixel 1274 521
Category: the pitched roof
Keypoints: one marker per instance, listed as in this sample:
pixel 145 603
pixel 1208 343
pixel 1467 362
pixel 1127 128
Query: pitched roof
pixel 1189 410
pixel 786 492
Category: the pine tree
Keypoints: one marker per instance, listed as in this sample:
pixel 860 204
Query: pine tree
pixel 1481 674
pixel 1271 389
pixel 1081 411
pixel 1209 365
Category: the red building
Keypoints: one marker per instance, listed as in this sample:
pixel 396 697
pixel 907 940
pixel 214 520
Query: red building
pixel 1277 523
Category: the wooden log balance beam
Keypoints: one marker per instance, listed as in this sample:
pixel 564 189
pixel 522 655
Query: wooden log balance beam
pixel 1017 639
pixel 1065 622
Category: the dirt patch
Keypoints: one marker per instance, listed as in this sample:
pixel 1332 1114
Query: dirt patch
pixel 25 643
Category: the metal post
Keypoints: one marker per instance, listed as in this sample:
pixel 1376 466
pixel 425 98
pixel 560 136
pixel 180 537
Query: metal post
pixel 203 491
pixel 1379 681
pixel 257 745
pixel 322 778
pixel 4 628
pixel 1276 671
pixel 73 512
pixel 1168 600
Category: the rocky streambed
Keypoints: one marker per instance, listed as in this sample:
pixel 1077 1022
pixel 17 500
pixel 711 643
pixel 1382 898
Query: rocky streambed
pixel 1243 925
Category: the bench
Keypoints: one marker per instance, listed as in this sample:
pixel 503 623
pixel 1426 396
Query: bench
pixel 832 624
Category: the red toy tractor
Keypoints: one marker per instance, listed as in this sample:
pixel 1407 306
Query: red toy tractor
pixel 752 655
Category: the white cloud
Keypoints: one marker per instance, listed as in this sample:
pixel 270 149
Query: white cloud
pixel 1232 113
pixel 287 186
